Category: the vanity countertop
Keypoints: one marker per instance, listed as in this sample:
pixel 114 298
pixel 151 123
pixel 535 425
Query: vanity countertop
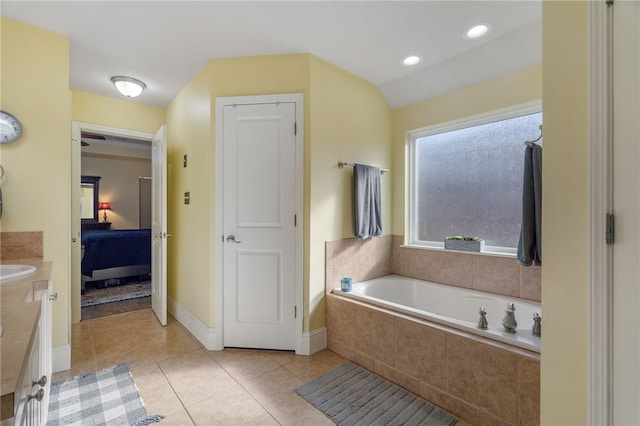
pixel 19 318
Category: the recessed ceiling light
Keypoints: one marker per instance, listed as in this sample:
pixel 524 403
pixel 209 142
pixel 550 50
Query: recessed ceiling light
pixel 477 31
pixel 411 60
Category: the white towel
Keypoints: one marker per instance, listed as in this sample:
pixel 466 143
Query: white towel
pixel 367 210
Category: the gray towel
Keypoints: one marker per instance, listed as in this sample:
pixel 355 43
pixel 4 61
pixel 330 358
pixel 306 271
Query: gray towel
pixel 367 210
pixel 530 244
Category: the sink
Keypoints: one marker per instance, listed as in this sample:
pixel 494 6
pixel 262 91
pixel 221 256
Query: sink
pixel 15 271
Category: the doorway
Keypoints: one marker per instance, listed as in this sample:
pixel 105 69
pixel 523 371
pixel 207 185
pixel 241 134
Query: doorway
pixel 111 250
pixel 259 221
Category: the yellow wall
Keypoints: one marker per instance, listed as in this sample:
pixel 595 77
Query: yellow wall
pixel 190 252
pixel 350 121
pixel 344 117
pixel 565 199
pixel 121 114
pixel 511 89
pixel 35 88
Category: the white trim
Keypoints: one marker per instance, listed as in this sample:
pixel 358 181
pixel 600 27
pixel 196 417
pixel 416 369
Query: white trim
pixel 313 341
pixel 205 335
pixel 61 357
pixel 600 143
pixel 298 99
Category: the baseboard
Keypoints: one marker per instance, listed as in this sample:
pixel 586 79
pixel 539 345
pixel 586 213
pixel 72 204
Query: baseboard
pixel 205 335
pixel 314 341
pixel 61 358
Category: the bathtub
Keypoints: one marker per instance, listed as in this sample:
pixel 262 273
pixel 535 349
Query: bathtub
pixel 451 306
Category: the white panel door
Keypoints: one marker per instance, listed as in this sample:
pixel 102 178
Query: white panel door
pixel 159 225
pixel 626 207
pixel 259 258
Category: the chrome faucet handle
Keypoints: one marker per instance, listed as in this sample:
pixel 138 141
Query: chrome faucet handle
pixel 536 330
pixel 482 323
pixel 509 321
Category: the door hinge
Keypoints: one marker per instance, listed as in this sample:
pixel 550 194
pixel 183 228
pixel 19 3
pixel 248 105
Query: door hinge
pixel 295 312
pixel 610 229
pixel 295 220
pixel 609 2
pixel 295 128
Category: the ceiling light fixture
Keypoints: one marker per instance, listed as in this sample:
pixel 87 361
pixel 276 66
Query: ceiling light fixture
pixel 411 60
pixel 129 87
pixel 477 31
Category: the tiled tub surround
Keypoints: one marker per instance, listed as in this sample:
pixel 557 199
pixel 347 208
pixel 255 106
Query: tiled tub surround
pixel 479 380
pixel 454 307
pixel 367 259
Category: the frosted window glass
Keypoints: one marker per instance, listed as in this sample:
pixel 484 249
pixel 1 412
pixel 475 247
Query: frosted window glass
pixel 469 181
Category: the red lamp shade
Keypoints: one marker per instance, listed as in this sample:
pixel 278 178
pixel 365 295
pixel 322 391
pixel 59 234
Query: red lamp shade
pixel 105 207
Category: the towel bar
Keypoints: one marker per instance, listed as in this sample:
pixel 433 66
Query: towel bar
pixel 341 164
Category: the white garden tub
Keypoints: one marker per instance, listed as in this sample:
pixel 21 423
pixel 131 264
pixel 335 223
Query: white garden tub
pixel 452 306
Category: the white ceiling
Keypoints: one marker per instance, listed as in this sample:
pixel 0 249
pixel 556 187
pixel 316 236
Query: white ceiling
pixel 165 43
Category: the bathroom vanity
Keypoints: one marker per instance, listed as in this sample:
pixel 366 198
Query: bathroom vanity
pixel 25 345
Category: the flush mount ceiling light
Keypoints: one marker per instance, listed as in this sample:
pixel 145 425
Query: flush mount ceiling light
pixel 129 87
pixel 411 60
pixel 477 31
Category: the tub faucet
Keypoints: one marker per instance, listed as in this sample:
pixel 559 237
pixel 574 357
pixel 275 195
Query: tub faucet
pixel 509 321
pixel 536 330
pixel 482 323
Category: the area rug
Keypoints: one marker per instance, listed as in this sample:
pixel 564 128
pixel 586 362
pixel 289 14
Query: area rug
pixel 99 296
pixel 102 397
pixel 350 395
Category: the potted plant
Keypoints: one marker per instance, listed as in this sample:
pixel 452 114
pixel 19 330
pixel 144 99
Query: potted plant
pixel 464 243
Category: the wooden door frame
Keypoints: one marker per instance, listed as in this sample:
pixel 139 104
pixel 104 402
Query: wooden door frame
pixel 221 102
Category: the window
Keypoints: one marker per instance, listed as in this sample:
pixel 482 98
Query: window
pixel 466 178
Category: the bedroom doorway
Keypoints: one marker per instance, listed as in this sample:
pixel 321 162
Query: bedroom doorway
pixel 111 247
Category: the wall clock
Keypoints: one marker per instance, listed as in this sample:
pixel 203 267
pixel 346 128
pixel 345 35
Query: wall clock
pixel 10 128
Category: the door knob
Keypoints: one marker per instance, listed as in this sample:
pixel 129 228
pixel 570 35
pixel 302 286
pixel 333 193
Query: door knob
pixel 233 239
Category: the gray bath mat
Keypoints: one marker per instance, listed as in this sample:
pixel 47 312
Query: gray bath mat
pixel 350 395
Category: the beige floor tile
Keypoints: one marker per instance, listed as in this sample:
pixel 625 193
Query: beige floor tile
pixel 298 412
pixel 248 366
pixel 231 407
pixel 173 371
pixel 175 347
pixel 263 420
pixel 160 400
pixel 147 374
pixel 202 384
pixel 177 418
pixel 310 367
pixel 281 357
pixel 273 388
pixel 190 363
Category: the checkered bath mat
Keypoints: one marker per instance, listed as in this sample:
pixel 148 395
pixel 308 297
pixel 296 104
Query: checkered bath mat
pixel 102 397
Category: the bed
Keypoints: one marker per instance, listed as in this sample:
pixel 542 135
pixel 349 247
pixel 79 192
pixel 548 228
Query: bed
pixel 112 255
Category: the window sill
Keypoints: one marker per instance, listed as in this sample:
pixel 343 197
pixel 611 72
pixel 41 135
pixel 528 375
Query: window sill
pixel 476 253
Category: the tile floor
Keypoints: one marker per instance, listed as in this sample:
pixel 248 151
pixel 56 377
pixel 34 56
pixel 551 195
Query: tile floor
pixel 180 379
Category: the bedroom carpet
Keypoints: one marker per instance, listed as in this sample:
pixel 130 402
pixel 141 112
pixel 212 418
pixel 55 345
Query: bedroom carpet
pixel 100 302
pixel 352 396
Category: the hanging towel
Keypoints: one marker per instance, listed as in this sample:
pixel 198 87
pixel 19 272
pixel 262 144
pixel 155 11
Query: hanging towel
pixel 366 201
pixel 530 244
